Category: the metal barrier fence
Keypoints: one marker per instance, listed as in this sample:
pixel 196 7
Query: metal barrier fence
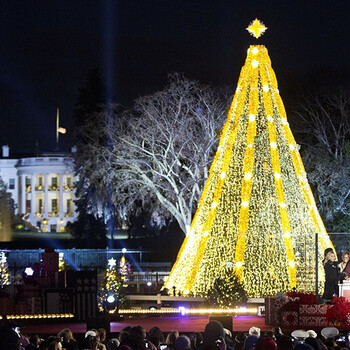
pixel 83 259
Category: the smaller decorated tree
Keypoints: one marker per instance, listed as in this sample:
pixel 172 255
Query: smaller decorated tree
pixel 227 291
pixel 112 288
pixel 112 277
pixel 124 269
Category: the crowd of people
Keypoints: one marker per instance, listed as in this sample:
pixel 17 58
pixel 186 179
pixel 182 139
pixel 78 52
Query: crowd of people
pixel 214 337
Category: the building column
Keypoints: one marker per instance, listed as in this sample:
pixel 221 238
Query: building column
pixel 46 196
pixel 60 199
pixel 33 195
pixel 23 194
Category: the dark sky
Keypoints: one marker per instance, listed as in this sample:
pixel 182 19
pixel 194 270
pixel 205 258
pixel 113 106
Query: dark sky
pixel 47 48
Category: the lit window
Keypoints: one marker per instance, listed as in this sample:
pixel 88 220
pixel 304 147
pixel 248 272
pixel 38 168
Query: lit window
pixel 54 182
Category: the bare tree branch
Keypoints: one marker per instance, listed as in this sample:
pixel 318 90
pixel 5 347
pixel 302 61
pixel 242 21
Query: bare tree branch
pixel 159 152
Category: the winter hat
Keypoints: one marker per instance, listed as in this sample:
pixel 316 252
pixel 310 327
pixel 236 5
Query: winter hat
pixel 213 331
pixel 182 343
pixel 265 343
pixel 90 333
pixel 250 342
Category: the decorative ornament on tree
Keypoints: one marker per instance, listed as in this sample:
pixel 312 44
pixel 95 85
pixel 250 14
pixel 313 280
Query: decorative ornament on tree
pixel 112 262
pixel 256 28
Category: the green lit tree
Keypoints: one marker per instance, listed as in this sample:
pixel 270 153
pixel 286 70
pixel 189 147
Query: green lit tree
pixel 124 269
pixel 227 291
pixel 111 294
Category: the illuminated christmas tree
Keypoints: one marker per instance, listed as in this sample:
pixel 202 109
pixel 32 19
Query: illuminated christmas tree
pixel 124 270
pixel 257 213
pixel 111 286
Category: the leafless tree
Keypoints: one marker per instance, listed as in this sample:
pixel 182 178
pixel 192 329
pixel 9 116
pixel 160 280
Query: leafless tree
pixel 326 116
pixel 330 179
pixel 325 120
pixel 160 152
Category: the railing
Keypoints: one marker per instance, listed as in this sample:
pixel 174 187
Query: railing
pixel 146 282
pixel 68 214
pixel 54 188
pixel 38 215
pixel 60 160
pixel 96 259
pixel 53 214
pixel 39 188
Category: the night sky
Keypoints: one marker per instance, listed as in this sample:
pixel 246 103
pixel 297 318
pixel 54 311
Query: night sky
pixel 48 47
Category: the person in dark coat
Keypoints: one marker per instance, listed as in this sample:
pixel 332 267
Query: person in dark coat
pixel 332 276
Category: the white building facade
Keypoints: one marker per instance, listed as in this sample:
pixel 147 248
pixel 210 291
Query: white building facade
pixel 42 188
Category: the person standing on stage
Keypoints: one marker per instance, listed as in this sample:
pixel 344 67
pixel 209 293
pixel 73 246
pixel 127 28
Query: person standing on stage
pixel 345 260
pixel 332 276
pixel 344 267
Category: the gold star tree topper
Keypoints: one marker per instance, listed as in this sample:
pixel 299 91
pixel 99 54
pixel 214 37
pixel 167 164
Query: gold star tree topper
pixel 256 28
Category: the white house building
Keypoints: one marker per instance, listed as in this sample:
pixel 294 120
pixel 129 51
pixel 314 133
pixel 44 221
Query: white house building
pixel 42 188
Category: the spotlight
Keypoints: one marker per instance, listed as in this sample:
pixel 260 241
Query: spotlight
pixel 149 284
pixel 111 299
pixel 182 310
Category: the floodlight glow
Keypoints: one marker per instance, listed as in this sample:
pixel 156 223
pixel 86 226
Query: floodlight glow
pixel 29 271
pixel 3 258
pixel 111 299
pixel 182 310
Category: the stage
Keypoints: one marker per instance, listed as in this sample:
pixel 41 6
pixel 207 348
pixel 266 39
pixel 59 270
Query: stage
pixel 183 324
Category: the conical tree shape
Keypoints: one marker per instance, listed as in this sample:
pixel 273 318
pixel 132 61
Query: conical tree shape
pixel 257 213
